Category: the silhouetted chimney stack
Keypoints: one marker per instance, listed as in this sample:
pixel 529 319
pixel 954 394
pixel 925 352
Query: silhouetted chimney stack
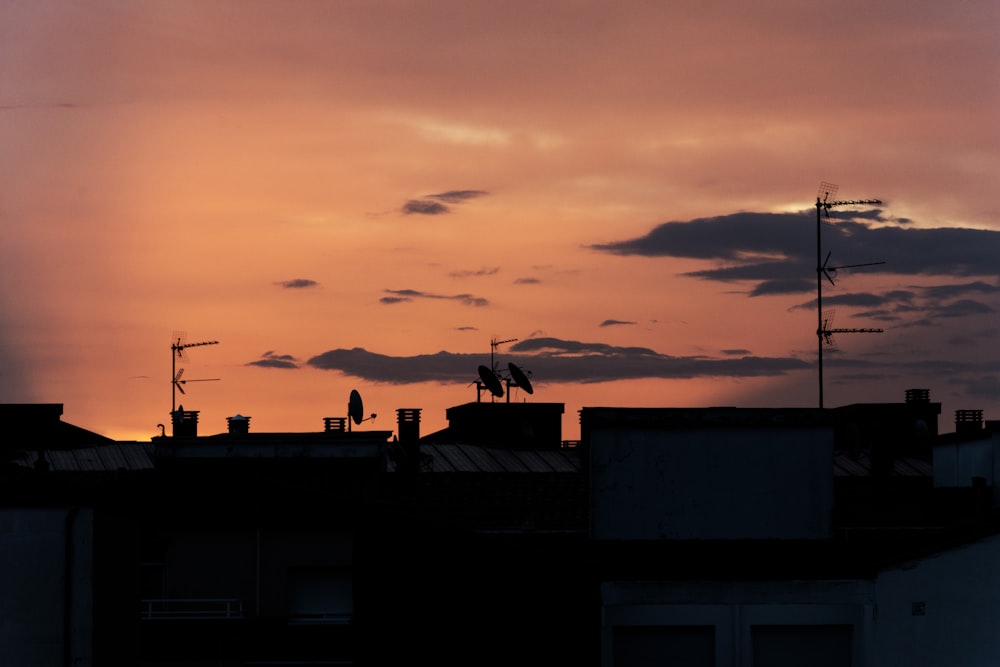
pixel 184 423
pixel 334 424
pixel 408 420
pixel 968 421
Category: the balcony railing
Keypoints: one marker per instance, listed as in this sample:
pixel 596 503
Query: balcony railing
pixel 191 608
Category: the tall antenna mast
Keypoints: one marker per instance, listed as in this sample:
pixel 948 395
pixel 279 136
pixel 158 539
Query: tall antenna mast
pixel 824 334
pixel 177 347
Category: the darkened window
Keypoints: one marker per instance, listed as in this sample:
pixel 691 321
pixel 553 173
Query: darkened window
pixel 796 645
pixel 320 595
pixel 659 645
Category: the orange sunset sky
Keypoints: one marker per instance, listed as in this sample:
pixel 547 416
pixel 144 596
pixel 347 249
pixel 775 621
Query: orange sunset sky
pixel 363 195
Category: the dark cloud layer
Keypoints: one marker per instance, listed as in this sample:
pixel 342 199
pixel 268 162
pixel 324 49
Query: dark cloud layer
pixel 551 360
pixel 778 250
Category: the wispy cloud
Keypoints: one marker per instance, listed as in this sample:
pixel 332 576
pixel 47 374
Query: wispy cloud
pixel 438 204
pixel 613 323
pixel 475 273
pixel 297 283
pixel 424 207
pixel 457 196
pixel 405 295
pixel 272 360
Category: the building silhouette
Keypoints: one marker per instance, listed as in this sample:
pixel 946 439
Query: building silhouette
pixel 857 535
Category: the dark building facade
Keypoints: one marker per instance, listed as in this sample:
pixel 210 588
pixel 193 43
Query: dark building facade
pixel 717 536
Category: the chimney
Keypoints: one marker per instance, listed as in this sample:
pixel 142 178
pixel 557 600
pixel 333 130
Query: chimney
pixel 334 424
pixel 238 424
pixel 968 421
pixel 184 422
pixel 918 396
pixel 408 420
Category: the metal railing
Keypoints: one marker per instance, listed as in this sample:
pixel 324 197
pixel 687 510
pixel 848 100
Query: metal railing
pixel 191 608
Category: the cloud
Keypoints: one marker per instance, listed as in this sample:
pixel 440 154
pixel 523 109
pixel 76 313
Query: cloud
pixel 297 283
pixel 783 286
pixel 963 308
pixel 950 291
pixel 774 254
pixel 611 323
pixel 271 360
pixel 470 273
pixel 982 386
pixel 424 207
pixel 405 295
pixel 856 299
pixel 777 250
pixel 553 360
pixel 527 281
pixel 458 196
pixel 432 204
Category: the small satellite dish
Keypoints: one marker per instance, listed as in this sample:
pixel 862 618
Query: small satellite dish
pixel 355 408
pixel 491 381
pixel 520 379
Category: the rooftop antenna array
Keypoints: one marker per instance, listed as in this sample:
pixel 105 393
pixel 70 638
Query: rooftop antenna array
pixel 824 332
pixel 491 376
pixel 177 353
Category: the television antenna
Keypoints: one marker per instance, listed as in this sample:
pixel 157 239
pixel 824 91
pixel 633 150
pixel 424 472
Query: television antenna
pixel 827 330
pixel 178 381
pixel 178 345
pixel 824 334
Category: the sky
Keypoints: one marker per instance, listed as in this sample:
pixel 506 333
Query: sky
pixel 381 196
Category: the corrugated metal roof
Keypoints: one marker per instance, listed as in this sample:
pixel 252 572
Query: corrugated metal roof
pixel 476 458
pixel 99 458
pixel 846 465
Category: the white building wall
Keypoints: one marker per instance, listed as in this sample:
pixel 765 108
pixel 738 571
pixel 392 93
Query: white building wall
pixel 943 610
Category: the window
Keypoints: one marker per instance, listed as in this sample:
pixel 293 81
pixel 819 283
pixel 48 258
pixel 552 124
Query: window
pixel 320 595
pixel 675 645
pixel 794 645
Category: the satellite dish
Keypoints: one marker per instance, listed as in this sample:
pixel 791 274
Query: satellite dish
pixel 491 381
pixel 520 379
pixel 355 408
